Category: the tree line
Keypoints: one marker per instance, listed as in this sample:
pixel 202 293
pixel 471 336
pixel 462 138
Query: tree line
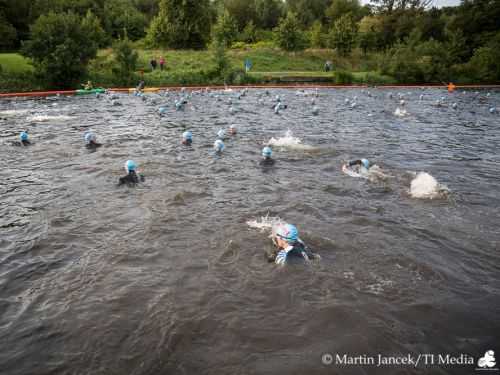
pixel 414 41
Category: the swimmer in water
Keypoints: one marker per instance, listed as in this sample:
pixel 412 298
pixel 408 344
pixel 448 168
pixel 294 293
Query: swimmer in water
pixel 267 159
pixel 286 238
pixel 88 86
pixel 24 139
pixel 232 130
pixel 219 146
pixel 187 138
pixel 91 141
pixel 132 177
pixel 140 87
pixel 358 166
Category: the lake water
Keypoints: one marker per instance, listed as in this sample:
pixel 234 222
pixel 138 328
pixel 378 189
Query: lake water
pixel 168 278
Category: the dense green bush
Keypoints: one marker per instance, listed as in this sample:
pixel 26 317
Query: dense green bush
pixel 288 34
pixel 181 24
pixel 484 65
pixel 317 37
pixel 249 33
pixel 19 82
pixel 343 35
pixel 126 61
pixel 343 77
pixel 225 30
pixel 8 34
pixel 61 45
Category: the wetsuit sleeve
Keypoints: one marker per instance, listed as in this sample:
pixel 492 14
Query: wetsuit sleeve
pixel 354 162
pixel 281 257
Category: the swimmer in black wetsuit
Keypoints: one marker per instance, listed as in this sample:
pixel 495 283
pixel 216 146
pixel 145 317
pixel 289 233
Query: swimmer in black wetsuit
pixel 267 154
pixel 140 86
pixel 187 138
pixel 24 139
pixel 290 246
pixel 356 165
pixel 132 177
pixel 90 141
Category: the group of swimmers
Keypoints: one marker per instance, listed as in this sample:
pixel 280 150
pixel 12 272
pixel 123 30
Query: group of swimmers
pixel 285 236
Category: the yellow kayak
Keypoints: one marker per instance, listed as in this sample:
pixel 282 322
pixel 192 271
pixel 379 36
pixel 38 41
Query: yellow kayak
pixel 148 89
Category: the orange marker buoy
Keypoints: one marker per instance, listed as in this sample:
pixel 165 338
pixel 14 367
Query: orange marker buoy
pixel 451 87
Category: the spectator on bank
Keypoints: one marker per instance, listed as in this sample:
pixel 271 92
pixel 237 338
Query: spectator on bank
pixel 153 63
pixel 328 66
pixel 162 63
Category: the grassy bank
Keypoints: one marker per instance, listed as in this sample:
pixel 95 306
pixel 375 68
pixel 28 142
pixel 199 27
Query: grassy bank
pixel 191 67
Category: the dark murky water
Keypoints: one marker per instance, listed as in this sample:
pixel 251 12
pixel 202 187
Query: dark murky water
pixel 167 278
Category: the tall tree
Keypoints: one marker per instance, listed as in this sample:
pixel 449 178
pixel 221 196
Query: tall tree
pixel 181 24
pixel 268 13
pixel 388 6
pixel 243 11
pixel 340 7
pixel 288 34
pixel 308 11
pixel 61 46
pixel 343 35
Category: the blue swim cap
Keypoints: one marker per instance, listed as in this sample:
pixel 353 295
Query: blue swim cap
pixel 221 134
pixel 187 135
pixel 267 152
pixel 24 136
pixel 162 110
pixel 130 165
pixel 219 146
pixel 89 137
pixel 288 232
pixel 365 163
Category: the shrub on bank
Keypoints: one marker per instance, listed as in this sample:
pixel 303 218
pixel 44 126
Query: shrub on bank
pixel 343 77
pixel 20 82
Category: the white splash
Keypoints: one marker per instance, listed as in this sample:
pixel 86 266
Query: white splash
pixel 374 174
pixel 46 118
pixel 289 141
pixel 14 112
pixel 400 112
pixel 425 186
pixel 267 224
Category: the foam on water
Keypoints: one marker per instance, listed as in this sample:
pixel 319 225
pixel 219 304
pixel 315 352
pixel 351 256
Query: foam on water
pixel 400 112
pixel 266 223
pixel 289 141
pixel 425 186
pixel 47 118
pixel 14 112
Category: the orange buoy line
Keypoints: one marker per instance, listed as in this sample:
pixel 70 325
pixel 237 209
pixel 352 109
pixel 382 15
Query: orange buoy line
pixel 450 87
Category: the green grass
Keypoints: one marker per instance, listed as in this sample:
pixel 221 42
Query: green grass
pixel 14 63
pixel 185 67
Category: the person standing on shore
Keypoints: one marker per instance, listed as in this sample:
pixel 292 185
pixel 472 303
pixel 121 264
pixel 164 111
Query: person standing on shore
pixel 162 63
pixel 153 64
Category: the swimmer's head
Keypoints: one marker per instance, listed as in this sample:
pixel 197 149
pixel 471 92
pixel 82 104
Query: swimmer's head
pixel 130 166
pixel 90 137
pixel 162 110
pixel 24 136
pixel 219 146
pixel 187 135
pixel 287 233
pixel 365 163
pixel 221 134
pixel 232 129
pixel 267 152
